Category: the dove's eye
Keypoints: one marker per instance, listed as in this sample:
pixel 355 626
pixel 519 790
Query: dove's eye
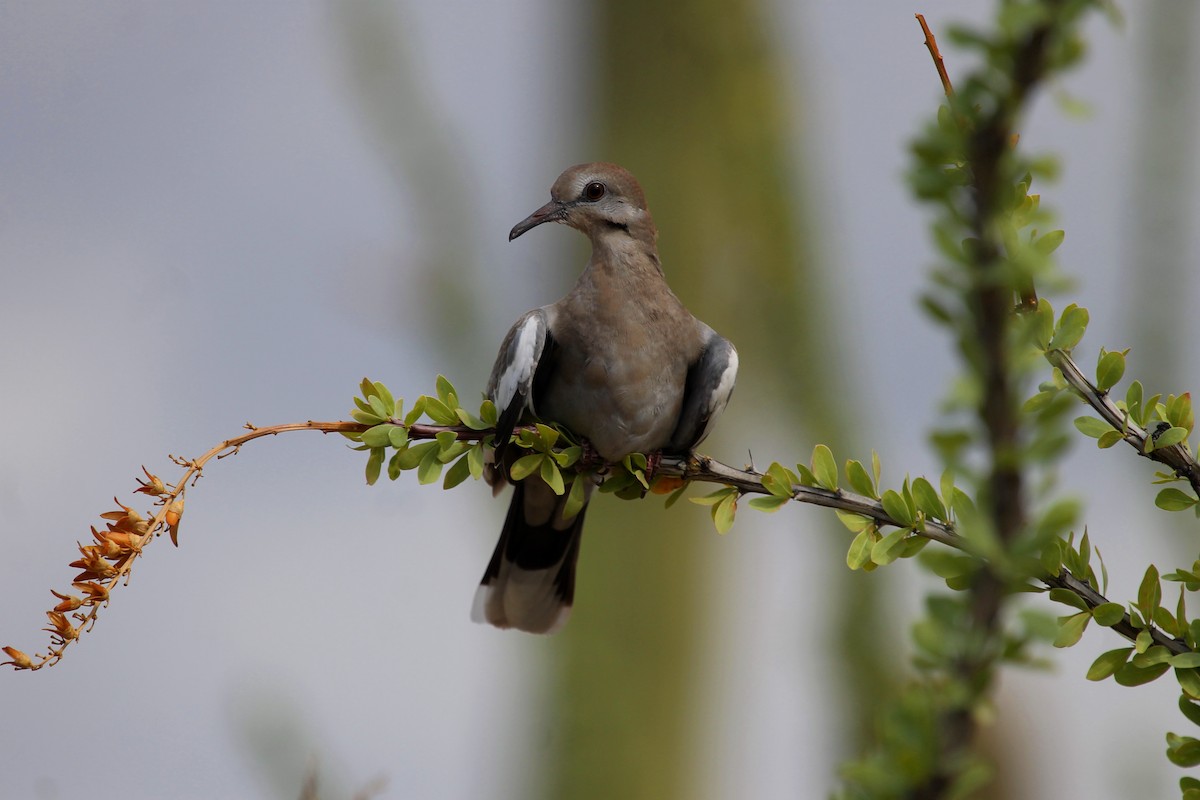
pixel 593 191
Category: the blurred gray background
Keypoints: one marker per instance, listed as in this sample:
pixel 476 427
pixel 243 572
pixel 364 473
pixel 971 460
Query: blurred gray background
pixel 215 213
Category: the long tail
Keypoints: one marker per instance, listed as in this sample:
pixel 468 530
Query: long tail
pixel 530 582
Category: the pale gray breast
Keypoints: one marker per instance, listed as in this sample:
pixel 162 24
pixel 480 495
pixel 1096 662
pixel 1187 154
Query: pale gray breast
pixel 620 387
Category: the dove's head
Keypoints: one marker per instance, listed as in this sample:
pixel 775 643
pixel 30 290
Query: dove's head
pixel 600 200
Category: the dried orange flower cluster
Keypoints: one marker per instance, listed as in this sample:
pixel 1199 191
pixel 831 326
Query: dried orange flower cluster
pixel 103 563
pixel 107 561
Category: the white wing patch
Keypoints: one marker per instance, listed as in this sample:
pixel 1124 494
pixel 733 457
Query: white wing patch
pixel 720 396
pixel 519 371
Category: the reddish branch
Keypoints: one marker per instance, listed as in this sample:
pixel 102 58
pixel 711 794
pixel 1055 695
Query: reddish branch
pixel 75 615
pixel 931 43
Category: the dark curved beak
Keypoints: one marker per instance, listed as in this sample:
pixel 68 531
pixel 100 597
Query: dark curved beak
pixel 554 211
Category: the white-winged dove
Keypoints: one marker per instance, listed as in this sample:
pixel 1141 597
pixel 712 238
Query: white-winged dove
pixel 619 362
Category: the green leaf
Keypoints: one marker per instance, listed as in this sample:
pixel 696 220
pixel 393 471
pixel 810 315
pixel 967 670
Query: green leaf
pixel 576 497
pixel 378 407
pixel 1108 439
pixel 913 545
pixel 724 511
pixel 639 476
pixel 459 472
pixel 446 393
pixel 1071 629
pixel 1052 557
pixel 806 476
pixel 948 563
pixel 876 469
pixel 1183 751
pixel 412 456
pixel 963 505
pixel 439 412
pixel 475 460
pixel 1133 401
pixel 769 504
pixel 824 468
pixel 430 467
pixel 393 469
pixel 379 436
pixel 374 465
pixel 1190 709
pixel 397 436
pixel 859 553
pixel 1189 660
pixel 927 499
pixel 777 481
pixel 1091 426
pixel 1071 327
pixel 567 456
pixel 1129 675
pixel 712 498
pixel 1165 620
pixel 1039 401
pixel 1183 575
pixel 897 509
pixel 552 476
pixel 1169 437
pixel 1103 572
pixel 1044 329
pixel 1179 411
pixel 488 413
pixel 1049 242
pixel 470 420
pixel 1149 593
pixel 1109 370
pixel 1108 663
pixel 549 437
pixel 959 583
pixel 946 484
pixel 1069 598
pixel 385 397
pixel 1153 657
pixel 853 522
pixel 934 308
pixel 1058 518
pixel 365 418
pixel 417 410
pixel 1108 614
pixel 445 440
pixel 525 466
pixel 887 549
pixel 859 480
pixel 1189 680
pixel 674 496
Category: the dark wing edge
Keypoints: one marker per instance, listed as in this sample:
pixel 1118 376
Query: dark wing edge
pixel 710 381
pixel 518 372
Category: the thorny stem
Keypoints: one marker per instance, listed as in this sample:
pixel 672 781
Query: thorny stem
pixel 695 467
pixel 1176 457
pixel 938 62
pixel 989 299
